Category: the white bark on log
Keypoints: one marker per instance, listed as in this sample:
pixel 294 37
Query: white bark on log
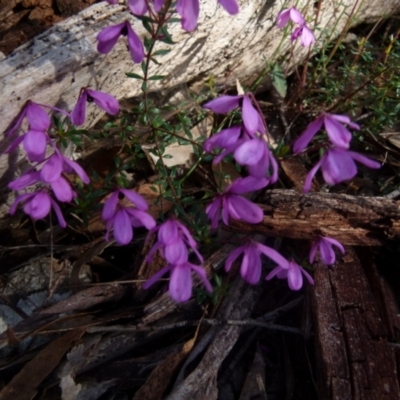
pixel 52 67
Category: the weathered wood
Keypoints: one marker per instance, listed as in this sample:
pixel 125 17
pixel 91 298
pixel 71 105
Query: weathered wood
pixel 353 220
pixel 355 359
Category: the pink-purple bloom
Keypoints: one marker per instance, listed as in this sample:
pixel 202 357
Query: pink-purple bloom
pixel 251 117
pixel 250 269
pixel 104 100
pixel 231 205
pixel 38 205
pixel 292 272
pixel 122 218
pixel 180 281
pixel 302 31
pixel 325 247
pixel 173 238
pixel 338 165
pixel 334 125
pixel 109 36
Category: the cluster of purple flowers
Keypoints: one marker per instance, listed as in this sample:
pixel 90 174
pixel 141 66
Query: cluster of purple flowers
pixel 173 241
pixel 302 31
pixel 338 162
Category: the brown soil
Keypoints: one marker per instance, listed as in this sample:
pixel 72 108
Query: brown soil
pixel 21 20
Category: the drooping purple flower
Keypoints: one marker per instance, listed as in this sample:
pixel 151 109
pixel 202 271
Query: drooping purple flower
pixel 104 100
pixel 325 247
pixel 38 205
pixel 251 118
pixel 250 268
pixel 292 272
pixel 231 205
pixel 121 218
pixel 338 165
pixel 306 35
pixel 109 36
pixel 338 134
pixel 180 283
pixel 172 240
pixel 289 14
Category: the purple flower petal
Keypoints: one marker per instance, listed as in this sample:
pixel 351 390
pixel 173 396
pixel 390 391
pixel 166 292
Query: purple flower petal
pixel 176 252
pixel 110 206
pixel 344 119
pixel 233 256
pixel 138 7
pixel 24 181
pixel 334 242
pixel 250 116
pixel 250 152
pixel 104 100
pixel 327 254
pixel 364 160
pixel 307 36
pixel 158 5
pixel 230 6
pixel 135 45
pixel 251 265
pixel 313 250
pixel 39 206
pixel 52 169
pixel 247 210
pixel 72 165
pixel 19 199
pixel 310 176
pixel 245 185
pixel 60 217
pixel 78 114
pixel 213 211
pixel 301 143
pixel 122 227
pixel 144 218
pixel 157 276
pixel 294 276
pixel 337 133
pixel 223 104
pixel 62 189
pixel 337 166
pixel 35 145
pixel 15 144
pixel 283 18
pixel 180 283
pixel 296 16
pixel 108 37
pixel 273 255
pixel 223 139
pixel 189 11
pixel 136 199
pixel 38 118
pixel 202 275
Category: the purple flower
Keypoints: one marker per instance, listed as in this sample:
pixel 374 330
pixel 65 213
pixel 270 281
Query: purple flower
pixel 122 218
pixel 250 268
pixel 189 11
pixel 338 165
pixel 333 124
pixel 231 205
pixel 109 36
pixel 180 282
pixel 38 118
pixel 325 246
pixel 38 205
pixel 292 272
pixel 306 34
pixel 104 100
pixel 251 118
pixel 173 239
pixel 289 14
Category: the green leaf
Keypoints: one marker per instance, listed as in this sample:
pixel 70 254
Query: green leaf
pixel 144 86
pixel 279 80
pixel 161 52
pixel 156 77
pixel 133 75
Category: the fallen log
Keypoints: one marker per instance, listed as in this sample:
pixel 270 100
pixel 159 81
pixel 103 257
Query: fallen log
pixel 353 220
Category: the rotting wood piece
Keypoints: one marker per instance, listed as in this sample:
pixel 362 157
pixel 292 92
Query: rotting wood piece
pixel 355 358
pixel 353 220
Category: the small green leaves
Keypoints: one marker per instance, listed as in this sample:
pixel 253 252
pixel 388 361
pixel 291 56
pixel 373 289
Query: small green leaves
pixel 279 80
pixel 133 75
